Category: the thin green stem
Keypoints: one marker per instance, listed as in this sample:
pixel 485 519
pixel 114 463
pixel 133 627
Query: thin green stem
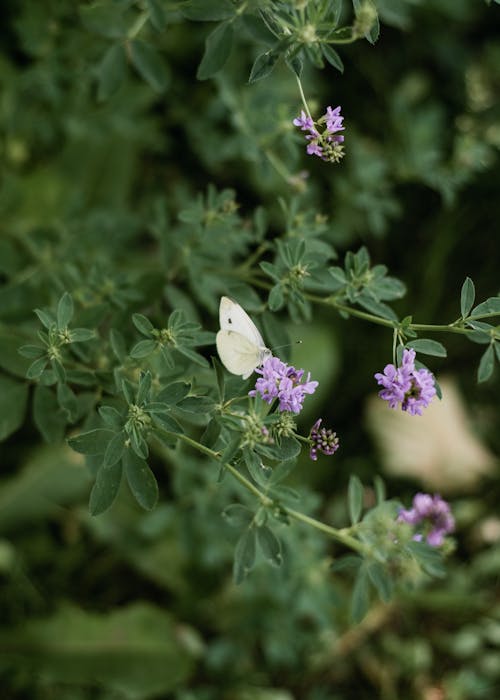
pixel 437 328
pixel 278 164
pixel 394 346
pixel 265 500
pixel 349 40
pixel 248 264
pixel 303 97
pixel 138 25
pixel 331 301
pixel 339 535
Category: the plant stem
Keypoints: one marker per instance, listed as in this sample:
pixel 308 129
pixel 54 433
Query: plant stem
pixel 340 535
pixel 303 98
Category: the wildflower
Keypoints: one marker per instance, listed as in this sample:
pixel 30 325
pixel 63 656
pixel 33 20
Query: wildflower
pixel 322 439
pixel 436 515
pixel 306 123
pixel 405 385
pixel 283 382
pixel 327 143
pixel 334 121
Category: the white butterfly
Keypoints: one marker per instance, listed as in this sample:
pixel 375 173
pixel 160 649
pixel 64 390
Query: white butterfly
pixel 239 343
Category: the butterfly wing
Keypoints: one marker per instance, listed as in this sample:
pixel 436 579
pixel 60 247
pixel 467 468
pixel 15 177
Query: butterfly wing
pixel 238 354
pixel 233 318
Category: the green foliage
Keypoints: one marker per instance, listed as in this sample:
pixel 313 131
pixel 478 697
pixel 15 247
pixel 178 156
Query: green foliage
pixel 150 167
pixel 72 646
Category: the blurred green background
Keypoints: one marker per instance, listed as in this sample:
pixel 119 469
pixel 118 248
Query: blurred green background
pixel 130 605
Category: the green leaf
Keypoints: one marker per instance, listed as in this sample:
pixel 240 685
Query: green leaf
pixel 282 470
pixel 167 422
pixel 217 49
pixel 429 558
pixel 59 371
pixel 117 343
pixel 270 545
pixel 104 18
pixel 67 401
pixel 48 417
pixel 220 376
pixel 139 444
pixel 244 555
pixel 10 358
pixel 208 10
pixel 114 450
pixel 211 433
pixel 192 355
pixel 93 442
pixel 36 368
pixel 13 400
pixel 143 325
pixel 31 351
pixel 111 72
pixel 332 57
pixel 111 417
pixel 376 307
pixel 256 468
pixel 355 498
pixel 467 296
pixel 295 63
pixel 46 318
pixel 238 515
pixel 173 393
pixel 81 335
pixel 288 448
pixel 128 391
pixel 490 306
pixel 135 652
pixel 349 562
pixel 338 275
pixel 360 596
pixel 157 15
pixel 141 480
pixel 65 311
pixel 271 270
pixel 143 348
pixel 486 364
pixel 197 404
pixel 482 332
pixel 106 488
pixel 276 298
pixel 381 580
pixel 144 388
pixel 52 477
pixel 149 64
pixel 427 347
pixel 263 65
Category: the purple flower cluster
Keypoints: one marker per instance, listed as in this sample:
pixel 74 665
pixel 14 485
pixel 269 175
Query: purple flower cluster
pixel 412 388
pixel 436 515
pixel 326 144
pixel 322 439
pixel 283 382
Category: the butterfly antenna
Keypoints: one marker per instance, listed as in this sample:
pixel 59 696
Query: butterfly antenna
pixel 286 345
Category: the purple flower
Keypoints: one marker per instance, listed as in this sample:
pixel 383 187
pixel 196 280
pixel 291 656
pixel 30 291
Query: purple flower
pixel 434 513
pixel 283 382
pixel 322 439
pixel 324 143
pixel 333 120
pixel 305 122
pixel 313 149
pixel 405 385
